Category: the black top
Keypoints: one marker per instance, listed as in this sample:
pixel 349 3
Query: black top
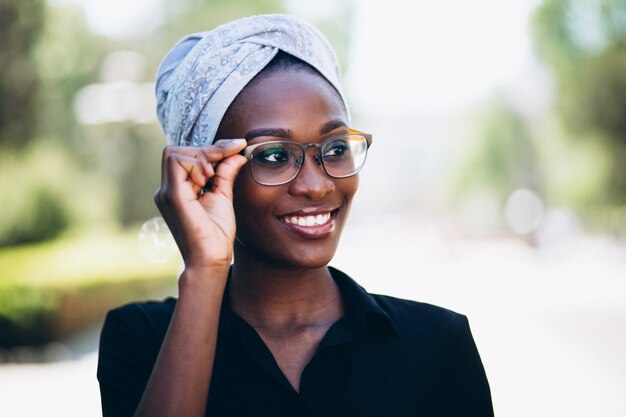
pixel 385 357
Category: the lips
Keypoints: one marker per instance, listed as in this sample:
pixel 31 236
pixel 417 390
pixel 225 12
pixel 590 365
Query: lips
pixel 311 223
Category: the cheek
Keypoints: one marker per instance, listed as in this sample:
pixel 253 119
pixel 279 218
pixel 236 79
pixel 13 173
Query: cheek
pixel 241 186
pixel 244 194
pixel 350 186
pixel 253 203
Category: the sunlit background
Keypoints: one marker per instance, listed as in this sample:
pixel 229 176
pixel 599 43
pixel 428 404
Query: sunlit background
pixel 496 185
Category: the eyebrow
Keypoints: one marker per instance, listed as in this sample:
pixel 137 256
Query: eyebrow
pixel 288 133
pixel 332 125
pixel 279 133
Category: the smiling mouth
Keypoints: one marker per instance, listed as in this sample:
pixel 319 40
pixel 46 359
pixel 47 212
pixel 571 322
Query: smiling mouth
pixel 308 221
pixel 316 225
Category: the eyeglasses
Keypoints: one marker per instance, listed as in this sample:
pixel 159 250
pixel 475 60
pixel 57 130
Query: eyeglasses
pixel 279 162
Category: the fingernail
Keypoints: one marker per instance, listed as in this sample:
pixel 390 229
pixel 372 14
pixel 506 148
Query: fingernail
pixel 227 143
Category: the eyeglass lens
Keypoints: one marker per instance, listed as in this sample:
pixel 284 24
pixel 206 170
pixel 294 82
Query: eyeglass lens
pixel 279 162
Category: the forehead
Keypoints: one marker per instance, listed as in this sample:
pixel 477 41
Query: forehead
pixel 292 99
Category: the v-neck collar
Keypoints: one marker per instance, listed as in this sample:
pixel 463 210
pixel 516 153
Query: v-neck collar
pixel 361 312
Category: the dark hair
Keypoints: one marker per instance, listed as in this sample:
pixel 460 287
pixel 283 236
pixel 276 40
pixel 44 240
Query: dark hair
pixel 286 62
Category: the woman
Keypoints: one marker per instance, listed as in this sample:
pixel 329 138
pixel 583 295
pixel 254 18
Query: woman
pixel 278 332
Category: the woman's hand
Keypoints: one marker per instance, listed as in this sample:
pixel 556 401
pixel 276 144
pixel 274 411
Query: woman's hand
pixel 202 220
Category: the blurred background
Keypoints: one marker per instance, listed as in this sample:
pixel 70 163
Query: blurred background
pixel 496 185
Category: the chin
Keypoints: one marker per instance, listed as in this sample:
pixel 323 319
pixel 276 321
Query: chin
pixel 312 262
pixel 296 258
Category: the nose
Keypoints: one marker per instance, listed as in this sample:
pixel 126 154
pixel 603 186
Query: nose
pixel 312 181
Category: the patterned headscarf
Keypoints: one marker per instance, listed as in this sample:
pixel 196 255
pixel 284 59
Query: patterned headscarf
pixel 201 76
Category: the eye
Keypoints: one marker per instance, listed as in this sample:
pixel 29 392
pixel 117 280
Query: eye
pixel 272 156
pixel 336 149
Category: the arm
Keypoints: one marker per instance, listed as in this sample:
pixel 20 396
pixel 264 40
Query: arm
pixel 473 386
pixel 179 382
pixel 203 225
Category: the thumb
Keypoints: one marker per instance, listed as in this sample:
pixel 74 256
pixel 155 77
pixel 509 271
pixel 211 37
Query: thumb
pixel 225 175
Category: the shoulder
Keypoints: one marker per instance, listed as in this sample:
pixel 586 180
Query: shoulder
pixel 129 345
pixel 131 338
pixel 423 321
pixel 144 322
pixel 415 313
pixel 407 316
pixel 441 346
pixel 148 312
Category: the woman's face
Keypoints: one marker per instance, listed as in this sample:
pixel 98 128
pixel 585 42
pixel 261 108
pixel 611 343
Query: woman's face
pixel 274 223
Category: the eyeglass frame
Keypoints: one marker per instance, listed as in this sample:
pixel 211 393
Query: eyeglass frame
pixel 247 152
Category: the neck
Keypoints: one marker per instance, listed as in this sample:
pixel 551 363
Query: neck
pixel 278 298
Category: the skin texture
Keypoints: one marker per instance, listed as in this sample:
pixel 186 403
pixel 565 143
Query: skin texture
pixel 280 283
pixel 302 103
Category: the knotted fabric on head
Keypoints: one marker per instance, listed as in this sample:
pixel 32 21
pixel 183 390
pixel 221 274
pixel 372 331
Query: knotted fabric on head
pixel 201 76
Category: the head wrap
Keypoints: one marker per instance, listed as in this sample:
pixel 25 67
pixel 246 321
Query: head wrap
pixel 201 76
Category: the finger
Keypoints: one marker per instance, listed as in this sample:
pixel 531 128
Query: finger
pixel 164 156
pixel 223 148
pixel 188 151
pixel 183 169
pixel 210 154
pixel 219 150
pixel 225 175
pixel 159 198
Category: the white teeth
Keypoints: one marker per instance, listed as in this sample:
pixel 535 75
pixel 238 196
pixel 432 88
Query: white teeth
pixel 322 218
pixel 308 221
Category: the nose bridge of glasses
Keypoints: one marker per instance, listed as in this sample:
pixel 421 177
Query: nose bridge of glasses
pixel 317 153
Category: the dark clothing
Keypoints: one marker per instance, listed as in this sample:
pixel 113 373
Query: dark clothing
pixel 385 357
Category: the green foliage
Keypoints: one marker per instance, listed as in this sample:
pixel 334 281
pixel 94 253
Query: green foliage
pixel 39 181
pixel 599 102
pixel 585 44
pixel 576 172
pixel 20 24
pixel 188 16
pixel 127 159
pixel 25 315
pixel 45 191
pixel 35 315
pixel 68 57
pixel 48 291
pixel 33 199
pixel 338 30
pixel 500 156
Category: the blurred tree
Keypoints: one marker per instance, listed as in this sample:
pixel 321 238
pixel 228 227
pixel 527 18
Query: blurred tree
pixel 502 158
pixel 187 16
pixel 68 58
pixel 34 198
pixel 585 44
pixel 49 54
pixel 20 26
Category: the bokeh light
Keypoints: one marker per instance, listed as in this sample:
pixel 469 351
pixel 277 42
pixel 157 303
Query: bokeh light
pixel 156 242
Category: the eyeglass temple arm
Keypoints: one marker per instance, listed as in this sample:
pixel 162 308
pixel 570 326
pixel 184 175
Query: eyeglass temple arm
pixel 367 136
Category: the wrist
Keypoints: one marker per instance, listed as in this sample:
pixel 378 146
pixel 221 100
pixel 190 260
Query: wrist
pixel 203 279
